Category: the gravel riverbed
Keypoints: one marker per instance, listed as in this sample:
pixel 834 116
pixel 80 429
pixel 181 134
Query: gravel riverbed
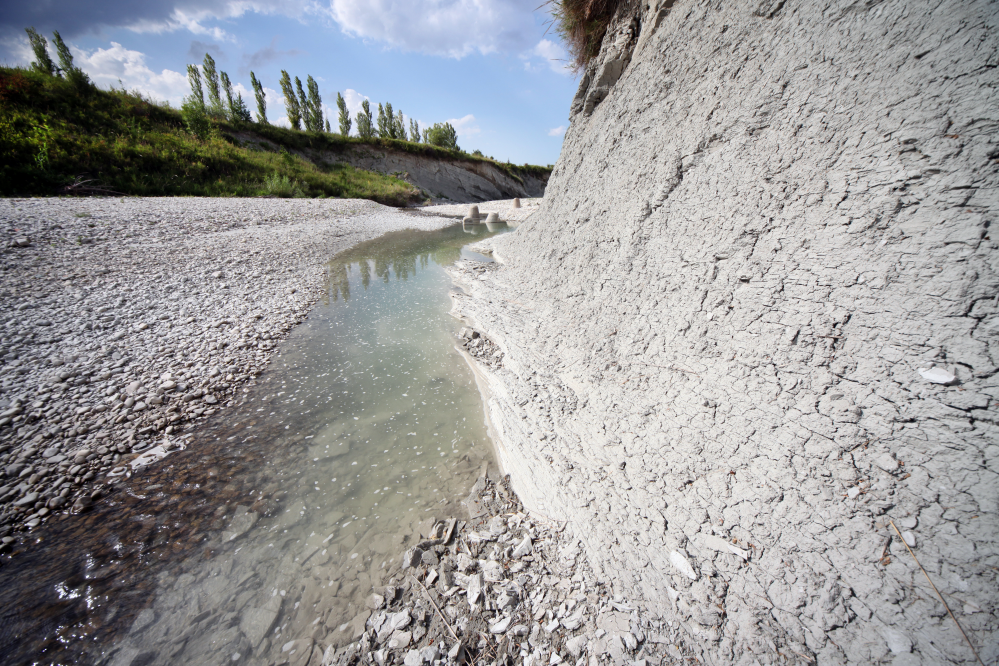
pixel 126 322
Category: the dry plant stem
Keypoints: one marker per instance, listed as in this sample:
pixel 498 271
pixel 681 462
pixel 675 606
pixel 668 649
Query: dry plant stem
pixel 930 581
pixel 436 608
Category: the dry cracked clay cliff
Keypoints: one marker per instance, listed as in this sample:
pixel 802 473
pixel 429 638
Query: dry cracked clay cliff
pixel 756 322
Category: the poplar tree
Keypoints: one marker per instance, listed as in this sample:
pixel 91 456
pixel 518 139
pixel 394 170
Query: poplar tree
pixel 383 128
pixel 303 103
pixel 197 97
pixel 230 103
pixel 364 126
pixel 40 46
pixel 328 126
pixel 291 101
pixel 314 106
pixel 258 92
pixel 73 74
pixel 193 109
pixel 215 107
pixel 389 121
pixel 400 126
pixel 414 131
pixel 236 110
pixel 341 104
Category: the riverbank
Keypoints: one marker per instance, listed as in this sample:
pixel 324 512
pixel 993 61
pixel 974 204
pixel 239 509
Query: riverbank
pixel 128 322
pixel 749 346
pixel 503 587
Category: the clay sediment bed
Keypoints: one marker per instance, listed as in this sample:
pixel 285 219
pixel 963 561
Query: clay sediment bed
pixel 127 322
pixel 755 322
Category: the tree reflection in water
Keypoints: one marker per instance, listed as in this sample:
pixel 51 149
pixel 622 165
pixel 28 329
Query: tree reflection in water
pixel 400 253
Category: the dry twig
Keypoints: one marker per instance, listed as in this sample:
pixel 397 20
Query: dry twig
pixel 436 608
pixel 930 581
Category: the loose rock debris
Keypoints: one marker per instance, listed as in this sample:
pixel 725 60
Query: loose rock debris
pixel 503 587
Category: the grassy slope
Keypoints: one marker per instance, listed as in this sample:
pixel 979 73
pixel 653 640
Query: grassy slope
pixel 53 135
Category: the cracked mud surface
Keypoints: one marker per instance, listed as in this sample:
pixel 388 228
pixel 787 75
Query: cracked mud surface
pixel 723 333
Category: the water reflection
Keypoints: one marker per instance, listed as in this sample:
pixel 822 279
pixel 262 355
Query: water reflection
pixel 263 538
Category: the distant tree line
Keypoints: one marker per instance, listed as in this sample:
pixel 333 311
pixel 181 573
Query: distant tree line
pixel 304 106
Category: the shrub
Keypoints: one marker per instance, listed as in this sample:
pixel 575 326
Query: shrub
pixel 582 24
pixel 443 135
pixel 13 86
pixel 276 185
pixel 196 119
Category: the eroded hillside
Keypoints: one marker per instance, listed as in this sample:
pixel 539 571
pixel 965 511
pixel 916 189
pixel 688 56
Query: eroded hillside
pixel 756 322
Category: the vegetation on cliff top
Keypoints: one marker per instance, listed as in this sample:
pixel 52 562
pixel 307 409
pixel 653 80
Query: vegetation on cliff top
pixel 582 25
pixel 63 135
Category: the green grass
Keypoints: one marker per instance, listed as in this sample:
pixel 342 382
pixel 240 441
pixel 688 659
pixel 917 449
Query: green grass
pixel 56 138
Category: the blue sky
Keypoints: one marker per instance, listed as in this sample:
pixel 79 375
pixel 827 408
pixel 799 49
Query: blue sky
pixel 486 66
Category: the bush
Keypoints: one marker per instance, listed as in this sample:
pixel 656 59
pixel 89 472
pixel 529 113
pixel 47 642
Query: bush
pixel 443 135
pixel 276 185
pixel 196 119
pixel 582 24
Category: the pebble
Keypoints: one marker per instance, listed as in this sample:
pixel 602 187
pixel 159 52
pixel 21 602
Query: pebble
pixel 542 583
pixel 97 345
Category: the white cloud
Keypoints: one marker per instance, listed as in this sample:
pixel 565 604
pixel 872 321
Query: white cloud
pixel 354 99
pixel 109 66
pixel 552 54
pixel 557 131
pixel 465 127
pixel 453 28
pixel 192 14
pixel 273 98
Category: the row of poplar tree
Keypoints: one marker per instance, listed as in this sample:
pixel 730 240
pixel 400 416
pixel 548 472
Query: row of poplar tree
pixel 305 108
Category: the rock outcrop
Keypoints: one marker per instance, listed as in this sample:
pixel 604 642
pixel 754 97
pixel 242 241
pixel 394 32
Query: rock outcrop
pixel 455 180
pixel 722 337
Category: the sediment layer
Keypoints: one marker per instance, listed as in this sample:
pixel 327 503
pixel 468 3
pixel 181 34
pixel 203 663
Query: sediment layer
pixel 754 324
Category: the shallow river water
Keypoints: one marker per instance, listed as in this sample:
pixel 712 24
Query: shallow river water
pixel 261 540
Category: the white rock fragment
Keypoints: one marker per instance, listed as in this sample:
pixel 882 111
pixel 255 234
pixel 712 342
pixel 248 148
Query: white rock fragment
pixel 501 626
pixel 679 560
pixel 937 375
pixel 523 548
pixel 886 462
pixel 721 545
